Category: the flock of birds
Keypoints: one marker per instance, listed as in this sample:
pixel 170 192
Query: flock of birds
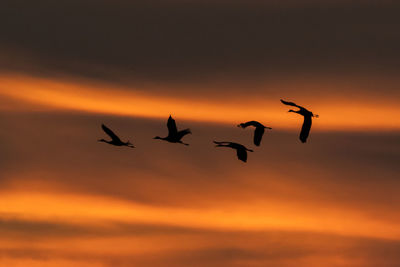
pixel 175 136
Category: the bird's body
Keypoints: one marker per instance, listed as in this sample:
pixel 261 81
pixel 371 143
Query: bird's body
pixel 114 138
pixel 305 129
pixel 241 150
pixel 174 136
pixel 258 132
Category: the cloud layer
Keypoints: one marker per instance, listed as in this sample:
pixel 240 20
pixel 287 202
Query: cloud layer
pixel 178 41
pixel 66 67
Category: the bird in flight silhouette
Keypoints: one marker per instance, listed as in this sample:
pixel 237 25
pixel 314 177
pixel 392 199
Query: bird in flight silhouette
pixel 241 150
pixel 174 136
pixel 305 129
pixel 258 132
pixel 115 139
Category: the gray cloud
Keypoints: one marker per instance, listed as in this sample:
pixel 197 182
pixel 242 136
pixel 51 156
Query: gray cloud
pixel 177 41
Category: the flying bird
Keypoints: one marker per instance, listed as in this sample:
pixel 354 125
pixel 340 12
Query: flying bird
pixel 115 139
pixel 174 136
pixel 241 150
pixel 258 132
pixel 305 129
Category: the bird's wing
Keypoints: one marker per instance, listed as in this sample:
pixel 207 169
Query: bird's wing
pixel 182 133
pixel 110 133
pixel 305 129
pixel 258 134
pixel 172 130
pixel 250 123
pixel 241 154
pixel 290 103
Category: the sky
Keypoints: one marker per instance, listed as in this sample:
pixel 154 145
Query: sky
pixel 66 67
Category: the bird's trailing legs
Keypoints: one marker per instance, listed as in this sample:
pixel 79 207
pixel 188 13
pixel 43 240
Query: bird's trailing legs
pixel 221 143
pixel 180 142
pixel 129 144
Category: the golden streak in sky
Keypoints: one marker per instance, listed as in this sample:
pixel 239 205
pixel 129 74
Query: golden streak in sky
pixel 106 99
pixel 91 210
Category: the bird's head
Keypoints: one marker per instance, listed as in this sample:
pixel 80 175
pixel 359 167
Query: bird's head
pixel 240 125
pixel 101 140
pixel 291 110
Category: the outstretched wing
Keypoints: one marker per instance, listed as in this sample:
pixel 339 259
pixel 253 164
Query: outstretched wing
pixel 250 123
pixel 110 133
pixel 182 133
pixel 172 130
pixel 258 134
pixel 290 103
pixel 305 129
pixel 241 154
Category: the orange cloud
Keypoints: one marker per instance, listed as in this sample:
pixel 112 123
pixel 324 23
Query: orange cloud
pixel 107 99
pixel 90 210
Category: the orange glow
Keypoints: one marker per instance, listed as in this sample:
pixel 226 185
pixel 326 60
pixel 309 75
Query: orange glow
pixel 107 99
pixel 90 210
pixel 45 263
pixel 265 211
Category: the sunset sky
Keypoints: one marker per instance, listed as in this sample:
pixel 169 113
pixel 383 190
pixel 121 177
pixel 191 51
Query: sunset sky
pixel 68 66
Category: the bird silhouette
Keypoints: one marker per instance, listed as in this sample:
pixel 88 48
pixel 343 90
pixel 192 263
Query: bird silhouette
pixel 258 132
pixel 115 139
pixel 241 150
pixel 305 129
pixel 174 136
